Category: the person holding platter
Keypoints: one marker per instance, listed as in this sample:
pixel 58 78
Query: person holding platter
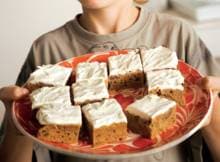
pixel 110 25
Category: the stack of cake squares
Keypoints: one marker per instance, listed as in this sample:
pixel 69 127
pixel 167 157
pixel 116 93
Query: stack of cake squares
pixel 60 120
pixel 155 112
pixel 91 83
pixel 162 77
pixel 106 122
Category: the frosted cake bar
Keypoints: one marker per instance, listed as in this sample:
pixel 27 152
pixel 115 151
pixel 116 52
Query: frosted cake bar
pixel 125 71
pixel 106 122
pixel 151 115
pixel 61 123
pixel 168 83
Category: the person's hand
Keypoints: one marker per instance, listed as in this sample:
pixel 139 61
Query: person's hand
pixel 12 93
pixel 9 94
pixel 212 83
pixel 22 146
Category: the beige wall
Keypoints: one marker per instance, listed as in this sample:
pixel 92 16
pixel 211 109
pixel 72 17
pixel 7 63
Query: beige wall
pixel 21 22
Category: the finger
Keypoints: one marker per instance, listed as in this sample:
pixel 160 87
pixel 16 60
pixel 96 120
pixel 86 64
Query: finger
pixel 211 82
pixel 207 121
pixel 13 93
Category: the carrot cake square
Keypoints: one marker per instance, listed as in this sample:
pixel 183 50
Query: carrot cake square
pixel 151 115
pixel 90 90
pixel 159 58
pixel 50 95
pixel 106 122
pixel 48 75
pixel 168 83
pixel 91 70
pixel 125 71
pixel 60 123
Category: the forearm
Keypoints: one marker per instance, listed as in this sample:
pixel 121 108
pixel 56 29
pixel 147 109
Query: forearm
pixel 211 133
pixel 15 146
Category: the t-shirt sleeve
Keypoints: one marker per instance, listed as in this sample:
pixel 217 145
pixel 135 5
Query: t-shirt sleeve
pixel 27 68
pixel 198 55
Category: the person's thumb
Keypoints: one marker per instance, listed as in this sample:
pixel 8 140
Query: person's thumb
pixel 11 93
pixel 211 82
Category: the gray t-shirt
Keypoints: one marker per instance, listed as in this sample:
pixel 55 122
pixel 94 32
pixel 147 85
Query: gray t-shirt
pixel 150 30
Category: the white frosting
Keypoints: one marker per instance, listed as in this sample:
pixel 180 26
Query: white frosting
pixel 88 70
pixel 50 95
pixel 50 74
pixel 159 58
pixel 104 113
pixel 89 90
pixel 165 79
pixel 59 114
pixel 150 106
pixel 122 64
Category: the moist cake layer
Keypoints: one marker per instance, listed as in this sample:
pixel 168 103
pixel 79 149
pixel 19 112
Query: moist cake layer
pixel 109 134
pixel 130 80
pixel 60 133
